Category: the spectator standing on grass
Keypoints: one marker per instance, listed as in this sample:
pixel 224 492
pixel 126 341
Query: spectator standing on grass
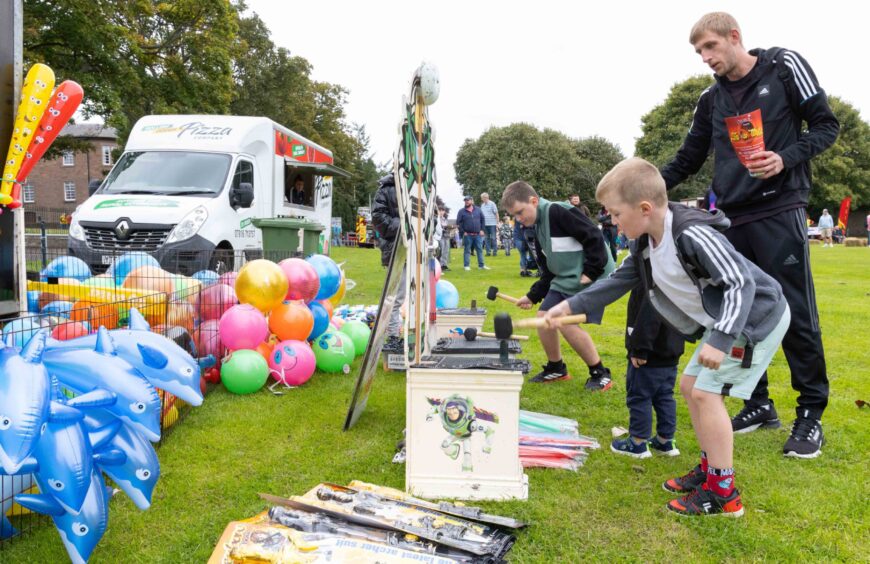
pixel 385 219
pixel 574 200
pixel 765 196
pixel 826 224
pixel 490 222
pixel 445 238
pixel 506 234
pixel 469 221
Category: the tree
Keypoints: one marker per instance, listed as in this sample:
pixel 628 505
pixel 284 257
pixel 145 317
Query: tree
pixel 552 162
pixel 664 129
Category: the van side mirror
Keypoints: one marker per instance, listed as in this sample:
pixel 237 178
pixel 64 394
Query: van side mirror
pixel 243 196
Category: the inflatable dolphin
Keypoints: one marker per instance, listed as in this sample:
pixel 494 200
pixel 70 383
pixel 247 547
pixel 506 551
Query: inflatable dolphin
pixel 24 400
pixel 138 473
pixel 82 531
pixel 163 363
pixel 85 370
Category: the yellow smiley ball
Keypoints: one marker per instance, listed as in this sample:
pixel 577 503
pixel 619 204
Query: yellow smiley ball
pixel 262 284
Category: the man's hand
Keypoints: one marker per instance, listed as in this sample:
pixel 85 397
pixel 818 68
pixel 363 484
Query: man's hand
pixel 765 164
pixel 710 357
pixel 524 303
pixel 585 280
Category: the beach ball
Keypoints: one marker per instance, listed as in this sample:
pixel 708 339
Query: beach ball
pixel 330 309
pixel 244 372
pixel 128 262
pixel 208 339
pixel 150 279
pixel 265 349
pixel 228 278
pixel 69 330
pixel 66 267
pixel 33 301
pixel 292 362
pixel 435 267
pixel 99 282
pixel 58 307
pixel 96 314
pixel 215 300
pixel 359 333
pixel 321 320
pixel 291 321
pixel 206 277
pixel 446 295
pixel 303 282
pixel 334 352
pixel 328 273
pixel 262 284
pixel 342 290
pixel 20 331
pixel 243 327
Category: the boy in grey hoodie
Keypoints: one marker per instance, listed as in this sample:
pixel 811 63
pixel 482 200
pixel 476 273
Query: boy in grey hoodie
pixel 701 286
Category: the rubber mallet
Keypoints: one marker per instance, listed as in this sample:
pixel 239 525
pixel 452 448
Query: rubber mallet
pixel 472 334
pixel 504 325
pixel 493 293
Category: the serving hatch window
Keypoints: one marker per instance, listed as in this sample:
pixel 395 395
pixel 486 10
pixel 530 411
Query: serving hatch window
pixel 169 173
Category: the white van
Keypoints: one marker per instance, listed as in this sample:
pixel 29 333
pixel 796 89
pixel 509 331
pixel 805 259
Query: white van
pixel 187 187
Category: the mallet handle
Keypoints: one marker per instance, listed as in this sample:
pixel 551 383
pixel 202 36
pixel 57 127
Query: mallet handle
pixel 516 337
pixel 507 298
pixel 539 321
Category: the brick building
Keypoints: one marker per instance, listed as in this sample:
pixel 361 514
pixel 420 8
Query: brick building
pixel 62 183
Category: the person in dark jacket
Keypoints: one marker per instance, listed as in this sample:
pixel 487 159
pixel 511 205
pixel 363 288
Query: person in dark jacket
pixel 385 218
pixel 608 230
pixel 654 351
pixel 571 255
pixel 469 222
pixel 761 177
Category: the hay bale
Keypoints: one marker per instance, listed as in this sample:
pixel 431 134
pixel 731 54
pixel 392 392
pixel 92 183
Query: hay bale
pixel 855 242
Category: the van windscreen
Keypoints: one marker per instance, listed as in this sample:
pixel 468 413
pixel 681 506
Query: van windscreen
pixel 170 173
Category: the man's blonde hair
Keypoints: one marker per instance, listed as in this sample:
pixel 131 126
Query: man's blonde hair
pixel 720 23
pixel 633 181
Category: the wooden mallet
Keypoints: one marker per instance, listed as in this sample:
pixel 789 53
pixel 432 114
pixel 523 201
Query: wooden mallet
pixel 493 293
pixel 472 334
pixel 504 325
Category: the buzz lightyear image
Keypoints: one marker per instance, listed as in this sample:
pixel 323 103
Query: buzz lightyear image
pixel 461 419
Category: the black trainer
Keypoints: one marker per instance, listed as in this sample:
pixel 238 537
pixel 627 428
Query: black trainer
pixel 394 344
pixel 552 372
pixel 692 480
pixel 599 380
pixel 806 438
pixel 753 417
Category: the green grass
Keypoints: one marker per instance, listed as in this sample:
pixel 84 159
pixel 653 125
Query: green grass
pixel 225 452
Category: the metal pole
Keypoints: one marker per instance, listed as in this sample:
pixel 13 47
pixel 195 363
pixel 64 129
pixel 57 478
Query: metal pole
pixel 43 241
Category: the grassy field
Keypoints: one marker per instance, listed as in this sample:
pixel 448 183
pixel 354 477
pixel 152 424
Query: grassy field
pixel 225 452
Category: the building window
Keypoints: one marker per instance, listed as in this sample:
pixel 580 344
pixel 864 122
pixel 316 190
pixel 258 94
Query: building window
pixel 69 191
pixel 107 155
pixel 29 195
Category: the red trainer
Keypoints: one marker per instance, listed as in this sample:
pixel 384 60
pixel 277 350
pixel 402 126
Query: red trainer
pixel 704 502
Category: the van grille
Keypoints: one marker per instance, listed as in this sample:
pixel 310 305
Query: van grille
pixel 105 239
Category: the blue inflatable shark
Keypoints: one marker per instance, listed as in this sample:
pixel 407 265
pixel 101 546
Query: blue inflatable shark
pixel 82 531
pixel 136 473
pixel 163 363
pixel 86 370
pixel 24 400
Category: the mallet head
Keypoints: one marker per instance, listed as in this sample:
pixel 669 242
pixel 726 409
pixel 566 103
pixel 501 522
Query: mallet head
pixel 504 327
pixel 492 293
pixel 470 334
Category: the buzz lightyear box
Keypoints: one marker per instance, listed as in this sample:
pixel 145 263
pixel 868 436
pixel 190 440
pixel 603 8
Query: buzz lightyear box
pixel 463 433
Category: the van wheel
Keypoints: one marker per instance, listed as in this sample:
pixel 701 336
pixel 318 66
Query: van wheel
pixel 221 259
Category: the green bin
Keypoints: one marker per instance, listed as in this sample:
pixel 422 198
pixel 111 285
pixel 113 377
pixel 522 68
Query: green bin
pixel 281 237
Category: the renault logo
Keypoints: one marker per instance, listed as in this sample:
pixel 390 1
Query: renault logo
pixel 122 230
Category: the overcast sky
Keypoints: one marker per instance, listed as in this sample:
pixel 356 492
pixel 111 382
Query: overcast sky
pixel 581 68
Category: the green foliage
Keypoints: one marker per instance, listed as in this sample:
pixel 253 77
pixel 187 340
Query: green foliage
pixel 665 127
pixel 844 168
pixel 552 162
pixel 194 56
pixel 225 452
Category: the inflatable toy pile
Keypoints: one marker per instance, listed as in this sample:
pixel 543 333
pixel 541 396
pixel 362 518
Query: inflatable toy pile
pixel 65 423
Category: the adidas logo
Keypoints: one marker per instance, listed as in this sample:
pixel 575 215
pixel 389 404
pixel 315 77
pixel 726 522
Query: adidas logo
pixel 790 261
pixel 764 91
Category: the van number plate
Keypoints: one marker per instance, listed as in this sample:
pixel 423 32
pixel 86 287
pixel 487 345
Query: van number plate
pixel 107 259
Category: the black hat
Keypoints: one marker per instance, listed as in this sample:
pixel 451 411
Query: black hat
pixel 467 197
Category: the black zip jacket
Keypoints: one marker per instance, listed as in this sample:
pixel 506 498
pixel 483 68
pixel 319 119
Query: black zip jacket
pixel 385 216
pixel 784 88
pixel 647 337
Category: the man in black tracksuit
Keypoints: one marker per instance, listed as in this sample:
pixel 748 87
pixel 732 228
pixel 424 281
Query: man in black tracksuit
pixel 385 218
pixel 751 118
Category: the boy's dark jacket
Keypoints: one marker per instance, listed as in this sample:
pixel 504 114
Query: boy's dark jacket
pixel 738 295
pixel 784 88
pixel 647 338
pixel 385 216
